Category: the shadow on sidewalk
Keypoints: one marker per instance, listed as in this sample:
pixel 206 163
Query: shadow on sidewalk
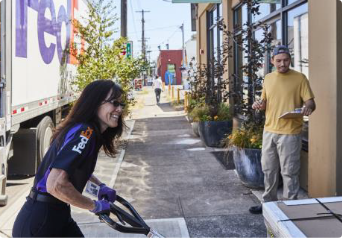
pixel 166 107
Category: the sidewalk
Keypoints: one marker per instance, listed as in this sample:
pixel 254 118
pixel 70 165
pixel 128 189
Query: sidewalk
pixel 177 184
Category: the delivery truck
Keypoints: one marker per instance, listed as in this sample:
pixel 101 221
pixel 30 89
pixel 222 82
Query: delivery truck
pixel 36 74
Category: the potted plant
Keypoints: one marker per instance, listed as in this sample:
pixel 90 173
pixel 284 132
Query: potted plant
pixel 215 125
pixel 246 141
pixel 246 144
pixel 197 112
pixel 207 85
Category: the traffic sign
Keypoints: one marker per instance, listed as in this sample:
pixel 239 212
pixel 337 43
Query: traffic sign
pixel 129 49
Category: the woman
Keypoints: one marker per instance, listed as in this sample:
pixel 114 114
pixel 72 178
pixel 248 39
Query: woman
pixel 94 121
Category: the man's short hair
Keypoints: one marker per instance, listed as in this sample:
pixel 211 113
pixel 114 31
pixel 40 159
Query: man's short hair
pixel 281 49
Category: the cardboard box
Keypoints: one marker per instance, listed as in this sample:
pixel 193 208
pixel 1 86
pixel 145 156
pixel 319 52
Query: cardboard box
pixel 303 218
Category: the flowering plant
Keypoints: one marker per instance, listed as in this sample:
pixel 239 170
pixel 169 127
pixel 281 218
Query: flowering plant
pixel 203 112
pixel 246 138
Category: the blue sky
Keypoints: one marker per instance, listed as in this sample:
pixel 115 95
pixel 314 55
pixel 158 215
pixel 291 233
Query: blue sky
pixel 161 24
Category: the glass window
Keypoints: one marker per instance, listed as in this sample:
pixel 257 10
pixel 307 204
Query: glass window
pixel 276 32
pixel 220 11
pixel 265 9
pixel 241 16
pixel 215 15
pixel 298 36
pixel 214 39
pixel 240 58
pixel 215 45
pixel 291 1
pixel 259 35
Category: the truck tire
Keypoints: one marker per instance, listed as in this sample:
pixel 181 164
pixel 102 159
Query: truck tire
pixel 44 134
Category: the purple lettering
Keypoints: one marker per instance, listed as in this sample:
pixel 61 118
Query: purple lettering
pixel 52 27
pixel 34 4
pixel 21 25
pixel 63 55
pixel 48 26
pixel 21 28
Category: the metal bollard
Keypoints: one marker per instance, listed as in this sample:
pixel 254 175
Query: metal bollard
pixel 178 95
pixel 185 101
pixel 173 93
pixel 163 86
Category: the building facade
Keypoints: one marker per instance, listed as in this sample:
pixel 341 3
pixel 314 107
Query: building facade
pixel 168 66
pixel 312 29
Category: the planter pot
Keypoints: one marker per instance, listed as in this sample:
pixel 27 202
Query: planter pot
pixel 195 129
pixel 213 132
pixel 189 118
pixel 248 167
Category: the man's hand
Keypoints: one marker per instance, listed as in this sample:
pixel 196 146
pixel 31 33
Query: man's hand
pixel 106 193
pixel 309 107
pixel 101 207
pixel 259 105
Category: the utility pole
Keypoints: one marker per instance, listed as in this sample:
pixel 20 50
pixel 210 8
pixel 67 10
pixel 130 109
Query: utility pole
pixel 143 40
pixel 183 48
pixel 149 61
pixel 183 56
pixel 123 18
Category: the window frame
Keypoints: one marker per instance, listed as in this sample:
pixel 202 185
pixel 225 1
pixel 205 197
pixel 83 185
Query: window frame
pixel 213 16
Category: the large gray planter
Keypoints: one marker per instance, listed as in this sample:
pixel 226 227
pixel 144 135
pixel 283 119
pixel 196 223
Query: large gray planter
pixel 248 167
pixel 195 126
pixel 213 132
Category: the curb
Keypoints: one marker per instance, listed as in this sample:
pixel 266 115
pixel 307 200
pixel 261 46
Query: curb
pixel 121 157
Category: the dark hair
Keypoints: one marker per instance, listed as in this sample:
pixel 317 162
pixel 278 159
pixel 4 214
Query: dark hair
pixel 85 111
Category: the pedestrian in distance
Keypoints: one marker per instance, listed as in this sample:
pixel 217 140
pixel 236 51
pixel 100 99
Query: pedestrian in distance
pixel 157 85
pixel 284 90
pixel 95 121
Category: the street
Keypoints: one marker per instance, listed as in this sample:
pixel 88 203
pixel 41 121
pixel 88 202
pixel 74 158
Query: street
pixel 175 183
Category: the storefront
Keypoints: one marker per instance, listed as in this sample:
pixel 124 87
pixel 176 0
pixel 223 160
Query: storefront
pixel 312 30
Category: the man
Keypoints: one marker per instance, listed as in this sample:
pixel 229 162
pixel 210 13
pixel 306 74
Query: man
pixel 157 85
pixel 284 90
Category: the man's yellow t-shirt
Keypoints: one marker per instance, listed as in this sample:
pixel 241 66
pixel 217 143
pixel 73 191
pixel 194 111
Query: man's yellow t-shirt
pixel 285 92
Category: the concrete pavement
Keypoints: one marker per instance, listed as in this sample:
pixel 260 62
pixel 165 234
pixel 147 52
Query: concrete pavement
pixel 175 183
pixel 169 176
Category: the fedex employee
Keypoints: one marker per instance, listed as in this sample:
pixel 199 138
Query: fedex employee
pixel 95 121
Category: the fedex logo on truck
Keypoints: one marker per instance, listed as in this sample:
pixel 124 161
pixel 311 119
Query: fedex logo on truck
pixel 53 26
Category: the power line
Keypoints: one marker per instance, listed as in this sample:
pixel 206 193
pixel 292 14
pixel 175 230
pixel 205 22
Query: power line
pixel 159 28
pixel 135 28
pixel 166 40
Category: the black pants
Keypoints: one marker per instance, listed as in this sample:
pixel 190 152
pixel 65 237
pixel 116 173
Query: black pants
pixel 157 92
pixel 42 219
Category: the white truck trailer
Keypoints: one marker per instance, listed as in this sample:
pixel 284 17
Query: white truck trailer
pixel 35 85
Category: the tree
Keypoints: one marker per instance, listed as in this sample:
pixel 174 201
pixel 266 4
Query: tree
pixel 99 55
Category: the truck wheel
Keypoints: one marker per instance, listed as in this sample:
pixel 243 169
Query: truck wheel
pixel 44 134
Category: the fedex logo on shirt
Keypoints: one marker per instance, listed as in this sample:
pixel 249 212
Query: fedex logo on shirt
pixel 85 136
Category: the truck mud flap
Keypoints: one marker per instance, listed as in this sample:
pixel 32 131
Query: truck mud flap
pixel 24 160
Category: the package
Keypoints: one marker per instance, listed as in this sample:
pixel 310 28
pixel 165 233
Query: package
pixel 304 218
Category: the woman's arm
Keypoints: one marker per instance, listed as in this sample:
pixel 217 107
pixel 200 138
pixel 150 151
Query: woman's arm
pixel 95 180
pixel 59 186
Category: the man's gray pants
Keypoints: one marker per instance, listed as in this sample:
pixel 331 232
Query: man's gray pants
pixel 282 152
